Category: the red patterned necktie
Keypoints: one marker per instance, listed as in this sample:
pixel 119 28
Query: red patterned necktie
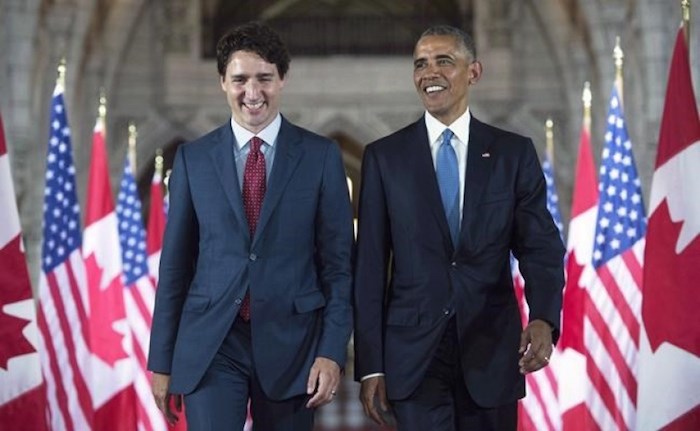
pixel 253 194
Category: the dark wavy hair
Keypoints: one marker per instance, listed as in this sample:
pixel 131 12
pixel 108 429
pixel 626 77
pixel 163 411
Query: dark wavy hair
pixel 253 37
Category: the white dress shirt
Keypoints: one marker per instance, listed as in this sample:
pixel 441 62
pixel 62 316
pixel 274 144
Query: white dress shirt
pixel 241 148
pixel 460 141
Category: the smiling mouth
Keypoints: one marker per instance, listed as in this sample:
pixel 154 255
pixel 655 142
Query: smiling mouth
pixel 254 106
pixel 431 89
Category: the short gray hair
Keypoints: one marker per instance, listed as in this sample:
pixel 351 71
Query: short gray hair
pixel 459 34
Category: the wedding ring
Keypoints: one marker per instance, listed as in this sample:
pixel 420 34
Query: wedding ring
pixel 333 393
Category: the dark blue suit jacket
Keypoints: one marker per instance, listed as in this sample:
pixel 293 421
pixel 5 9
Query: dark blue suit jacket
pixel 400 317
pixel 297 265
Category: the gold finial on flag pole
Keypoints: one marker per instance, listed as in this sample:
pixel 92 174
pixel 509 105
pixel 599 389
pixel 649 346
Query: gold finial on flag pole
pixel 549 134
pixel 619 57
pixel 587 98
pixel 61 74
pixel 685 9
pixel 132 147
pixel 102 109
pixel 159 162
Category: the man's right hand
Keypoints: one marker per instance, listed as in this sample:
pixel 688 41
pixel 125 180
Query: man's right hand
pixel 374 388
pixel 160 387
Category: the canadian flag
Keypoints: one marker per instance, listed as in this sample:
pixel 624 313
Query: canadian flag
pixel 22 392
pixel 669 351
pixel 110 340
pixel 571 364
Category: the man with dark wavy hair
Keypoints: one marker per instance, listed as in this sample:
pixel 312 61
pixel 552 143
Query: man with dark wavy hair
pixel 253 301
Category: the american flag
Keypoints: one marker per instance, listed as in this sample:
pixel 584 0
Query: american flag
pixel 612 311
pixel 63 297
pixel 539 410
pixel 139 295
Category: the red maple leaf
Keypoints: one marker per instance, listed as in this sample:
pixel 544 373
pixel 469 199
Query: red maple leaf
pixel 671 299
pixel 572 317
pixel 14 280
pixel 12 341
pixel 106 308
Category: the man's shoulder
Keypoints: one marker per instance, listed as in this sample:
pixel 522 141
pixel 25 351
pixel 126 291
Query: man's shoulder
pixel 498 134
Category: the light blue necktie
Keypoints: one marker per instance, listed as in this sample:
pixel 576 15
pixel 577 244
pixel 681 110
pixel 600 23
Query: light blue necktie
pixel 447 171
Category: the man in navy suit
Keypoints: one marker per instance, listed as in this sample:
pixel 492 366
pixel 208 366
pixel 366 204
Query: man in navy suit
pixel 253 300
pixel 443 203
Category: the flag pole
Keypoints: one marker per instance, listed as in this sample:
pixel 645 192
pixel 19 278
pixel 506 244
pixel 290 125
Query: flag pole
pixel 549 134
pixel 619 57
pixel 61 74
pixel 132 147
pixel 587 98
pixel 159 163
pixel 685 9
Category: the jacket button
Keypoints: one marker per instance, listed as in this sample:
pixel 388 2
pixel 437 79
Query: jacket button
pixel 252 256
pixel 454 264
pixel 238 301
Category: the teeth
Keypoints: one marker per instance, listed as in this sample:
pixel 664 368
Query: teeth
pixel 434 88
pixel 254 105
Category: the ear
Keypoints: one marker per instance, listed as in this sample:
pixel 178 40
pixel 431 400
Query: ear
pixel 475 70
pixel 222 82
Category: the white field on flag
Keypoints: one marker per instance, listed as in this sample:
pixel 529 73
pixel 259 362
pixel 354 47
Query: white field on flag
pixel 669 363
pixel 20 369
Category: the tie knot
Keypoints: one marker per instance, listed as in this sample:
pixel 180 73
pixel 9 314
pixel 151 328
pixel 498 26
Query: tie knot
pixel 447 137
pixel 255 144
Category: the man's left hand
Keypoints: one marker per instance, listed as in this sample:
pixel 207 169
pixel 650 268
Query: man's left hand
pixel 323 382
pixel 535 346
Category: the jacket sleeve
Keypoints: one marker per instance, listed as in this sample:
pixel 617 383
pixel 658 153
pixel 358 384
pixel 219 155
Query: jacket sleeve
pixel 373 245
pixel 334 243
pixel 537 244
pixel 177 263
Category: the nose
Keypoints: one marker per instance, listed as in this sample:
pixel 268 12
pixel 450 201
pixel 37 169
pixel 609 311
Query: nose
pixel 252 89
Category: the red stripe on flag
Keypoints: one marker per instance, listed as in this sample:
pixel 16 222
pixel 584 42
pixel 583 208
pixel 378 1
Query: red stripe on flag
pixel 613 349
pixel 537 392
pixel 606 394
pixel 77 296
pixel 634 267
pixel 620 303
pixel 50 352
pixel 82 389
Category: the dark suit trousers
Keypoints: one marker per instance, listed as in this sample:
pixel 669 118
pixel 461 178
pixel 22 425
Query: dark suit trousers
pixel 220 400
pixel 442 402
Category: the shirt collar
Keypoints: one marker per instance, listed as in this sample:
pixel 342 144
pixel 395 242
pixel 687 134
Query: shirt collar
pixel 268 134
pixel 460 127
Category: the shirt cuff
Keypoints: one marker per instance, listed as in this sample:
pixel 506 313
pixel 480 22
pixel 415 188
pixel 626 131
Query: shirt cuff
pixel 369 376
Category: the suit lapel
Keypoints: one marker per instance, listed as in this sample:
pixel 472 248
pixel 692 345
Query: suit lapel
pixel 478 170
pixel 425 173
pixel 287 156
pixel 223 161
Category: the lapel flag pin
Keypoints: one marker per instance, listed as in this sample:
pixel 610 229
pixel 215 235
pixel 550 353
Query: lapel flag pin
pixel 486 155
